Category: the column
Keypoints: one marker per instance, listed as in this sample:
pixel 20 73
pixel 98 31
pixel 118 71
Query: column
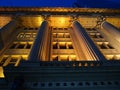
pixel 7 33
pixel 111 33
pixel 85 47
pixel 115 32
pixel 40 49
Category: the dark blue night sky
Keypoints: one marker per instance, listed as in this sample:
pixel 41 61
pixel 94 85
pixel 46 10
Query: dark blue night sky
pixel 61 3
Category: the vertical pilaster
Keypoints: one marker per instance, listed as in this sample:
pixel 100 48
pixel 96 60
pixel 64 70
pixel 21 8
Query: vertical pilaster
pixel 85 47
pixel 40 49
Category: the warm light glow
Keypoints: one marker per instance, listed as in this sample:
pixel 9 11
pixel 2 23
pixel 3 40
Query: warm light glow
pixel 64 57
pixel 109 57
pixel 4 20
pixel 87 21
pixel 1 72
pixel 31 21
pixel 62 20
pixel 114 21
pixel 59 21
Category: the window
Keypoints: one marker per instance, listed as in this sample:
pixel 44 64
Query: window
pixel 54 35
pixel 55 45
pixel 26 35
pixel 13 45
pixel 28 45
pixel 96 35
pixel 67 35
pixel 3 60
pixel 55 58
pixel 20 46
pixel 62 45
pixel 64 58
pixel 70 46
pixel 60 35
pixel 104 45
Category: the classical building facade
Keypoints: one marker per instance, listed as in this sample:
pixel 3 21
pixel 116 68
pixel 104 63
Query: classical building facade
pixel 59 48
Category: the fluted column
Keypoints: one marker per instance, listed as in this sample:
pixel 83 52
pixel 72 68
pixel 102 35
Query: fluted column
pixel 111 33
pixel 85 47
pixel 112 30
pixel 40 49
pixel 8 32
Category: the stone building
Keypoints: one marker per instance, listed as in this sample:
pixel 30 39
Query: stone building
pixel 59 48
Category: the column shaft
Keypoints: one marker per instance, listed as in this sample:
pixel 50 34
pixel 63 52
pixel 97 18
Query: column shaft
pixel 112 30
pixel 111 33
pixel 7 33
pixel 40 48
pixel 86 49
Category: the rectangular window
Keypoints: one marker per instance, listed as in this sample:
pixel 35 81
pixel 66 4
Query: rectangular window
pixel 28 46
pixel 3 60
pixel 60 35
pixel 20 46
pixel 13 46
pixel 105 45
pixel 13 60
pixel 67 35
pixel 64 58
pixel 55 58
pixel 54 35
pixel 55 45
pixel 62 45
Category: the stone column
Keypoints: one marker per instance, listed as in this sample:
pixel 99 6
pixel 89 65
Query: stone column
pixel 40 49
pixel 8 32
pixel 111 33
pixel 85 47
pixel 115 32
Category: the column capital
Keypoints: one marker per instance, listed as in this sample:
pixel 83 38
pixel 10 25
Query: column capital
pixel 45 16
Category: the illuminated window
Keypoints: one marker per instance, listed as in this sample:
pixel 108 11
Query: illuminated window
pixel 73 57
pixel 2 61
pixel 112 57
pixel 62 45
pixel 95 35
pixel 55 45
pixel 20 46
pixel 55 58
pixel 67 35
pixel 13 45
pixel 110 47
pixel 60 35
pixel 109 57
pixel 34 35
pixel 26 35
pixel 70 46
pixel 13 60
pixel 64 58
pixel 28 46
pixel 104 45
pixel 54 35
